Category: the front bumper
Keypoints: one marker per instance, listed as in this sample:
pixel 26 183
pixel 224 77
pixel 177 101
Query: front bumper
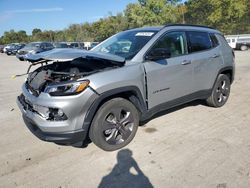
pixel 66 131
pixel 70 137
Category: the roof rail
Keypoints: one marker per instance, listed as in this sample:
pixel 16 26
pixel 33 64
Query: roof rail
pixel 192 25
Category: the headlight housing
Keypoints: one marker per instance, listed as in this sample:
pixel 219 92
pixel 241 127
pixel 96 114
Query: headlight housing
pixel 71 88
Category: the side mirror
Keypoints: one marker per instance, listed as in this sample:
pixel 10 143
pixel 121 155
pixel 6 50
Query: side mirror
pixel 158 54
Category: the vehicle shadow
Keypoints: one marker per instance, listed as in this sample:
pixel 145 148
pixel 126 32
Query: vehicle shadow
pixel 171 110
pixel 126 173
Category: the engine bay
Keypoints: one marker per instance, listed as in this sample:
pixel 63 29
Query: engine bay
pixel 60 72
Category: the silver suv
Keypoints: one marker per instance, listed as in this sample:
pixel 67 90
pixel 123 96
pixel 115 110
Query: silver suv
pixel 104 93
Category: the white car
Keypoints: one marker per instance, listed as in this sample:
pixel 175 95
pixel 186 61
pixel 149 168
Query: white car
pixel 8 46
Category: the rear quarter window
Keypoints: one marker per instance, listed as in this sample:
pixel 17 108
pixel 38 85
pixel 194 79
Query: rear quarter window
pixel 214 40
pixel 198 41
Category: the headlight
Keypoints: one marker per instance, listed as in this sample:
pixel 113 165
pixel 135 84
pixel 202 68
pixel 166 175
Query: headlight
pixel 72 88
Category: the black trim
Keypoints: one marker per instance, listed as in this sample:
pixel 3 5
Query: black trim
pixel 228 68
pixel 140 104
pixel 59 138
pixel 138 101
pixel 176 102
pixel 190 25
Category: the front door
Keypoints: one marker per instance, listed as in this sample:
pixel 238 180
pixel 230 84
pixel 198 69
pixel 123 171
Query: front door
pixel 170 78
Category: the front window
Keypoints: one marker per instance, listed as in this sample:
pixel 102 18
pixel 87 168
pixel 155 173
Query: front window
pixel 175 42
pixel 125 44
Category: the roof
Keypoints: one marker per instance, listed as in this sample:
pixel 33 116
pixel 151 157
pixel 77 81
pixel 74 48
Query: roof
pixel 189 25
pixel 158 28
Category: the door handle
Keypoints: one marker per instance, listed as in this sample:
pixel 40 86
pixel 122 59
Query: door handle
pixel 215 56
pixel 186 62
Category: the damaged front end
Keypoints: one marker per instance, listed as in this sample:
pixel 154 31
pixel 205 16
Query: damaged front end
pixel 57 95
pixel 61 70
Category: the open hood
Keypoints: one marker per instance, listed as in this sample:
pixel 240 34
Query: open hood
pixel 67 65
pixel 62 55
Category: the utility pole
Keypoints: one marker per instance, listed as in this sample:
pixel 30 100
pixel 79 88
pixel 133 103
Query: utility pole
pixel 183 13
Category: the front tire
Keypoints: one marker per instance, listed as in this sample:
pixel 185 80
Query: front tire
pixel 114 125
pixel 220 92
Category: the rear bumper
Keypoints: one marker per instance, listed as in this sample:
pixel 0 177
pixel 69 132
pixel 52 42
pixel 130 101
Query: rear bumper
pixel 60 138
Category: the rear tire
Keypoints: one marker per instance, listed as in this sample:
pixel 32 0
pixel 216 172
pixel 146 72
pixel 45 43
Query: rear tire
pixel 243 48
pixel 220 92
pixel 114 125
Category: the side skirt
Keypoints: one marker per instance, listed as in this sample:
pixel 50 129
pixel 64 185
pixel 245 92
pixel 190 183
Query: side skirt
pixel 176 102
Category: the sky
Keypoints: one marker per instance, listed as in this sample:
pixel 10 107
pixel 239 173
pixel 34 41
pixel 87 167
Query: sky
pixel 54 14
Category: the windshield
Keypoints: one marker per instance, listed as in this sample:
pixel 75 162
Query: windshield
pixel 125 44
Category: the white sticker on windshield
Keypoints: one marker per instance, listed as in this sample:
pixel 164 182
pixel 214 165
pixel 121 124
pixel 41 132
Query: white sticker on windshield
pixel 145 34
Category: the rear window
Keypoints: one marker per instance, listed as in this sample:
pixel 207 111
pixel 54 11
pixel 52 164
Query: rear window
pixel 198 41
pixel 49 45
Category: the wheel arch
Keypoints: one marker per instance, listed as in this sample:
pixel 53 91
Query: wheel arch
pixel 227 71
pixel 131 93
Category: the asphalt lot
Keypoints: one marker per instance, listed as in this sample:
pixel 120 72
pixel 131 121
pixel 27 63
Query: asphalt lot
pixel 191 146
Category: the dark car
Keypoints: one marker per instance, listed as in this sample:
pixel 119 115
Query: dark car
pixel 14 48
pixel 60 45
pixel 243 44
pixel 1 48
pixel 77 45
pixel 33 48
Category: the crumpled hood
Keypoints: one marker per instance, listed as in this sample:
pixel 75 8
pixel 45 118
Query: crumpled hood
pixel 62 55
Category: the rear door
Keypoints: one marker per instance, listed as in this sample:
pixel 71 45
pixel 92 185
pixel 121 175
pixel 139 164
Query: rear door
pixel 206 59
pixel 170 78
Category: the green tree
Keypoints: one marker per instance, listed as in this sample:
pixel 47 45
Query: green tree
pixel 35 31
pixel 13 36
pixel 229 16
pixel 106 27
pixel 152 12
